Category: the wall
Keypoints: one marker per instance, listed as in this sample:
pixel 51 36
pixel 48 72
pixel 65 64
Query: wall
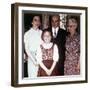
pixel 5 44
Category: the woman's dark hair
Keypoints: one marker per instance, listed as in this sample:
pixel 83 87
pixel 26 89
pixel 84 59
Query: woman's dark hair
pixel 37 15
pixel 47 30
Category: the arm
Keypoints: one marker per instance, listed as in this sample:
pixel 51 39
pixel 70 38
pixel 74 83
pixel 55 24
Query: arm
pixel 78 66
pixel 44 67
pixel 55 58
pixel 39 60
pixel 53 66
pixel 27 49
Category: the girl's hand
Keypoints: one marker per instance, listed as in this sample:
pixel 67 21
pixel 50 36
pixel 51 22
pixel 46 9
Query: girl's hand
pixel 48 72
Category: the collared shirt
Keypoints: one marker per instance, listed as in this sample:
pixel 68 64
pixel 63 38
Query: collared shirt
pixel 32 40
pixel 55 31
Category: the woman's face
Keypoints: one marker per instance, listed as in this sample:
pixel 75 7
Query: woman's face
pixel 36 22
pixel 72 26
pixel 47 37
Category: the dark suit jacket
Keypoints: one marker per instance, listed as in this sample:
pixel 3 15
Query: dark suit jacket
pixel 60 41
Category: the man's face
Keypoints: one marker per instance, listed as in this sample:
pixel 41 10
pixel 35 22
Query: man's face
pixel 55 21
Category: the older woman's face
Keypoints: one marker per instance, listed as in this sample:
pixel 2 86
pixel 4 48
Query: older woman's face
pixel 72 25
pixel 36 21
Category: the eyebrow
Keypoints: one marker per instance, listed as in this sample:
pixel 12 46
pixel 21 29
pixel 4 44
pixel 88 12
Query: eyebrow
pixel 55 20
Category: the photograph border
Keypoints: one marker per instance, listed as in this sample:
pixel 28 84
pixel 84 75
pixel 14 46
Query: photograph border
pixel 14 43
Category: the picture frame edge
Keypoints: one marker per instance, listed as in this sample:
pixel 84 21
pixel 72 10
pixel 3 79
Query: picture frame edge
pixel 14 42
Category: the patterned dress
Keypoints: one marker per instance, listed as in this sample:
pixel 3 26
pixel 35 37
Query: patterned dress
pixel 47 57
pixel 72 55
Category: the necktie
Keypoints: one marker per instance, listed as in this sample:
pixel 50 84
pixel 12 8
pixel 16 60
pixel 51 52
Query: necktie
pixel 55 34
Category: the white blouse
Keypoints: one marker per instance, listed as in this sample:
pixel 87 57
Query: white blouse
pixel 32 40
pixel 47 46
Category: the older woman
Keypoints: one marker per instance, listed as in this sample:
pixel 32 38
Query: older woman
pixel 72 54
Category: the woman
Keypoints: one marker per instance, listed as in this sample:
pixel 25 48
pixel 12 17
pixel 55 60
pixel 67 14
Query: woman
pixel 32 40
pixel 72 54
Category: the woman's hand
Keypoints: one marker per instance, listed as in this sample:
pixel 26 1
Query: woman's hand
pixel 78 66
pixel 25 57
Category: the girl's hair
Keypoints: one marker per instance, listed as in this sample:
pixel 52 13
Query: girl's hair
pixel 44 31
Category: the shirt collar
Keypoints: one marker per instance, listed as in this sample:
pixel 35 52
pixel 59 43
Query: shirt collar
pixel 35 30
pixel 47 46
pixel 55 29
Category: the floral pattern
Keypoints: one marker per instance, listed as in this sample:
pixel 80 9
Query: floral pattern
pixel 72 55
pixel 47 54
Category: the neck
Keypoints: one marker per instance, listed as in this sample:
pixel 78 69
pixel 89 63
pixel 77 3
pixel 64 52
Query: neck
pixel 35 28
pixel 72 34
pixel 55 27
pixel 47 43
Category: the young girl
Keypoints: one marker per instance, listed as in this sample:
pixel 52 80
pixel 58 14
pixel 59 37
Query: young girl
pixel 32 40
pixel 47 56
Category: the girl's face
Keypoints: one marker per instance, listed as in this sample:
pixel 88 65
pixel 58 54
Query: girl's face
pixel 72 26
pixel 36 22
pixel 47 37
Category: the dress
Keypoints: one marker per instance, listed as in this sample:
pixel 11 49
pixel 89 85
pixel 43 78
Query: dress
pixel 32 40
pixel 47 59
pixel 72 55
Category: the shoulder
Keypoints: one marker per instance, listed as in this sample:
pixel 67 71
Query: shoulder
pixel 27 33
pixel 55 48
pixel 78 37
pixel 62 31
pixel 55 45
pixel 40 31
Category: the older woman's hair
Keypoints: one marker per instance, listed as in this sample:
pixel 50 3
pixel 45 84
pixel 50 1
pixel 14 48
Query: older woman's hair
pixel 74 19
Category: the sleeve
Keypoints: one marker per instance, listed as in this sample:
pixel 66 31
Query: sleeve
pixel 26 44
pixel 76 46
pixel 55 53
pixel 39 55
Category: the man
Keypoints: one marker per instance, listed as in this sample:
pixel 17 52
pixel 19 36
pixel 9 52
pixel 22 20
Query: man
pixel 59 37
